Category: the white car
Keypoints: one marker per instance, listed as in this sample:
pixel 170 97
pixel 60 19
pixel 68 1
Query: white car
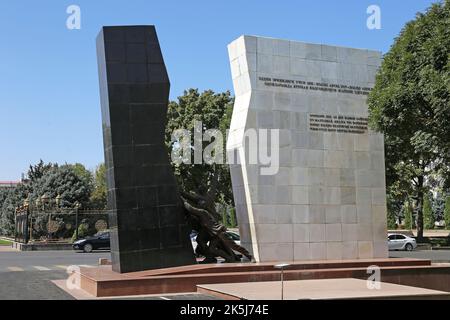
pixel 397 241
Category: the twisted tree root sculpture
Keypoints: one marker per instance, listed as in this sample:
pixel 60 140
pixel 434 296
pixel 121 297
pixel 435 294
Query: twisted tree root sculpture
pixel 212 241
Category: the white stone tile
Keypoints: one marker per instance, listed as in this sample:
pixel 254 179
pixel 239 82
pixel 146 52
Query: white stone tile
pixel 298 67
pixel 377 160
pixel 301 214
pixel 379 215
pixel 264 214
pixel 364 213
pixel 318 250
pixel 331 196
pixel 250 44
pixel 276 252
pixel 378 196
pixel 316 177
pixel 348 214
pixel 265 45
pixel 317 195
pixel 363 196
pixel 332 177
pixel 350 250
pixel 333 232
pixel 317 233
pixel 302 251
pixel 300 176
pixel 283 195
pixel 365 232
pixel 361 142
pixel 334 250
pixel 363 160
pixel 349 232
pixel 281 65
pixel 262 100
pixel 333 214
pixel 300 195
pixel 329 70
pixel 281 48
pixel 274 233
pixel 317 214
pixel 329 53
pixel 380 249
pixel 379 232
pixel 365 249
pixel 348 195
pixel 301 232
pixel 347 178
pixel 284 214
pixel 264 63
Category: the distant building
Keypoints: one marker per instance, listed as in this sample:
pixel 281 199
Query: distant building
pixel 8 184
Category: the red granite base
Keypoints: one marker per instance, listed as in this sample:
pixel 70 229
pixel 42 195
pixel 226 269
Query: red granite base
pixel 103 282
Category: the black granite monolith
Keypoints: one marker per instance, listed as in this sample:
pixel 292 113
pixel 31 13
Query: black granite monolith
pixel 148 227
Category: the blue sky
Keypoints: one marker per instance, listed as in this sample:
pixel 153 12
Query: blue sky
pixel 49 96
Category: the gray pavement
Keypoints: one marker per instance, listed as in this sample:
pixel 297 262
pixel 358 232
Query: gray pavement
pixel 28 275
pixel 18 261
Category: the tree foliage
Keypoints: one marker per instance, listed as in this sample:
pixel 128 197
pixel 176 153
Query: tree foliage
pixel 428 216
pixel 408 216
pixel 208 183
pixel 410 104
pixel 447 213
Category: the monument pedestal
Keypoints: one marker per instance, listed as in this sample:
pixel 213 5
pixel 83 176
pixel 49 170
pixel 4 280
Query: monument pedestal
pixel 103 282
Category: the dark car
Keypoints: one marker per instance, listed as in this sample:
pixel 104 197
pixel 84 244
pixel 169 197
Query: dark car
pixel 99 241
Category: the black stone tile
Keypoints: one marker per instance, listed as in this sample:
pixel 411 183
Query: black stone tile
pixel 136 73
pixel 115 52
pixel 117 73
pixel 113 34
pixel 157 73
pixel 168 216
pixel 136 53
pixel 136 34
pixel 126 198
pixel 154 53
pixel 170 236
pixel 118 93
pixel 120 114
pixel 122 134
pixel 147 197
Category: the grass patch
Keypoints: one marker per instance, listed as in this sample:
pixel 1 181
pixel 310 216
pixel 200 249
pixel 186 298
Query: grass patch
pixel 5 243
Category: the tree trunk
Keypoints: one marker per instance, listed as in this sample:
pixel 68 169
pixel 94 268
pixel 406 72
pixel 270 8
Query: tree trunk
pixel 420 209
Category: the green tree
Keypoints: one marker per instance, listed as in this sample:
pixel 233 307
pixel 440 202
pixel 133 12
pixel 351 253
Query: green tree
pixel 206 183
pixel 410 104
pixel 428 216
pixel 447 213
pixel 99 194
pixel 233 223
pixel 408 215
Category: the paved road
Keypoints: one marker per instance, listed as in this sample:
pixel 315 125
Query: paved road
pixel 433 255
pixel 28 275
pixel 47 260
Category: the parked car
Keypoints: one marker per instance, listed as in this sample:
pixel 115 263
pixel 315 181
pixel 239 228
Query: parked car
pixel 99 241
pixel 397 241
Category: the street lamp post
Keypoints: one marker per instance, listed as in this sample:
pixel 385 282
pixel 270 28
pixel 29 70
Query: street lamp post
pixel 77 208
pixel 282 266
